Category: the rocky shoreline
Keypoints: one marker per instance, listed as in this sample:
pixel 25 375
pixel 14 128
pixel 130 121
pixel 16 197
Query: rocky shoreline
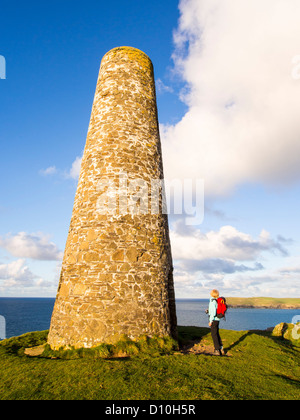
pixel 278 306
pixel 263 303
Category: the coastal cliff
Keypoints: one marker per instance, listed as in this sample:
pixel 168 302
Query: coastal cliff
pixel 263 302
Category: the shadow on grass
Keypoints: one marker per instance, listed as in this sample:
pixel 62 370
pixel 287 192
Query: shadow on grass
pixel 27 345
pixel 239 341
pixel 189 333
pixel 191 337
pixel 191 340
pixel 289 380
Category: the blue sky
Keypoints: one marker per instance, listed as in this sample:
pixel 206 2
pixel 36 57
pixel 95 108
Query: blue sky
pixel 228 101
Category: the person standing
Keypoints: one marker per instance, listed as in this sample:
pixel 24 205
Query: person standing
pixel 214 322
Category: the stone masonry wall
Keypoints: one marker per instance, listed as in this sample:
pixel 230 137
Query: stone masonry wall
pixel 116 274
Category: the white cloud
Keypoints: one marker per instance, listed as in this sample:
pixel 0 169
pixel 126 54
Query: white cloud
pixel 272 283
pixel 16 273
pixel 266 283
pixel 48 171
pixel 242 124
pixel 16 276
pixel 161 87
pixel 226 243
pixel 36 246
pixel 75 168
pixel 72 173
pixel 219 259
pixel 218 265
pixel 290 270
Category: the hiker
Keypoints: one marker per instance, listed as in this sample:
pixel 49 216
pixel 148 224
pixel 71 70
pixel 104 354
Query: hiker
pixel 214 322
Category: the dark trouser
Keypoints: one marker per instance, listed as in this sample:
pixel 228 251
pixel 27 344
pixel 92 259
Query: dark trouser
pixel 215 335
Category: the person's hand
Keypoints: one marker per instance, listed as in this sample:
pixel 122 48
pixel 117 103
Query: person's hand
pixel 210 324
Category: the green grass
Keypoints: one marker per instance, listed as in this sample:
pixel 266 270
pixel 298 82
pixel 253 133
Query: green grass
pixel 258 366
pixel 264 302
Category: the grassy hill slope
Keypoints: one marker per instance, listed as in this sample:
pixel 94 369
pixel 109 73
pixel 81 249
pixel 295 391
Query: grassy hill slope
pixel 257 366
pixel 264 302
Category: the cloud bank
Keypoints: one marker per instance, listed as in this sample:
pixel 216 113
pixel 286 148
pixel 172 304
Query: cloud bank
pixel 227 242
pixel 16 272
pixel 242 124
pixel 17 276
pixel 228 259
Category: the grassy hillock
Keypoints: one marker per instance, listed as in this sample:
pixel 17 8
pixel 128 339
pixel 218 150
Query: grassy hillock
pixel 257 366
pixel 264 302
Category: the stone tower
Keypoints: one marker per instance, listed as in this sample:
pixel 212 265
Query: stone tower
pixel 116 274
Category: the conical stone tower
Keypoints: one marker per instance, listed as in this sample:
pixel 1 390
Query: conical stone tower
pixel 116 274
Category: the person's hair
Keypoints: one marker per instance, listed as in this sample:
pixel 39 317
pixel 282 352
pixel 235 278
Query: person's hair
pixel 214 293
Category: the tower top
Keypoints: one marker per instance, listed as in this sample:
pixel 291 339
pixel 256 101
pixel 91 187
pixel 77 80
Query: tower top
pixel 133 54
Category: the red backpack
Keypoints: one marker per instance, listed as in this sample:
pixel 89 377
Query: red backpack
pixel 222 307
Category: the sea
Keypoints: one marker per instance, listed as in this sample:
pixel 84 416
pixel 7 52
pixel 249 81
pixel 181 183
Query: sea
pixel 21 315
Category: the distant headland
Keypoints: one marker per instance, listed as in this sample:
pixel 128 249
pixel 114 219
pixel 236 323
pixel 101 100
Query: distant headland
pixel 263 302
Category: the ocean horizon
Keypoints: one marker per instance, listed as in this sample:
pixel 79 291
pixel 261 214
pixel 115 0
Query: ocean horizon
pixel 28 314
